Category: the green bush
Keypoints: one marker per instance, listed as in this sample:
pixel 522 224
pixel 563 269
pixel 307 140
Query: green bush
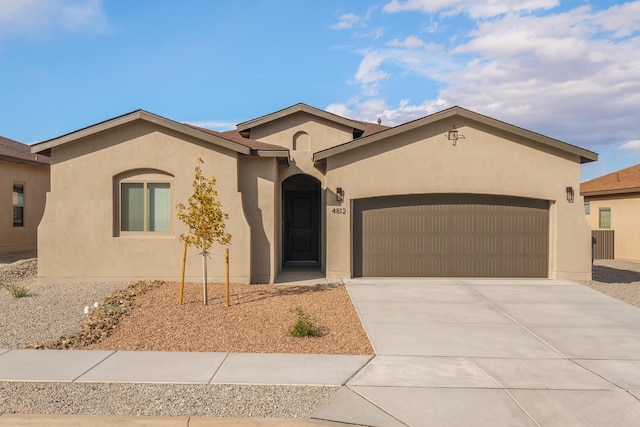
pixel 304 326
pixel 17 291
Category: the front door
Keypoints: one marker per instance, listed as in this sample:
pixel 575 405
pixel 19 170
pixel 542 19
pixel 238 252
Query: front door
pixel 301 226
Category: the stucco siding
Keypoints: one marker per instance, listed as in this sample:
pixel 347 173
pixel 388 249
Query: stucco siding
pixel 79 237
pixel 423 161
pixel 35 181
pixel 257 180
pixel 625 221
pixel 322 133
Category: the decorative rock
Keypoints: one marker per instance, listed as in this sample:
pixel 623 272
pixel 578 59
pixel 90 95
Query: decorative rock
pixel 104 320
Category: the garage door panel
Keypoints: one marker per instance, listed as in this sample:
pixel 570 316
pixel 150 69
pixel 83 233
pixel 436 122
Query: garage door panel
pixel 451 235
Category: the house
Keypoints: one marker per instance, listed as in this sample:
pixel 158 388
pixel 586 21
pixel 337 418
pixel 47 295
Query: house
pixel 452 194
pixel 612 208
pixel 24 183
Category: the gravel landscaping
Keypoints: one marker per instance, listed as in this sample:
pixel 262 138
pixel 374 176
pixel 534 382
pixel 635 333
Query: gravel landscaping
pixel 258 320
pixel 619 279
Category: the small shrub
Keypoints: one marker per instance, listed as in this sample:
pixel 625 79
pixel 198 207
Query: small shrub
pixel 17 291
pixel 304 326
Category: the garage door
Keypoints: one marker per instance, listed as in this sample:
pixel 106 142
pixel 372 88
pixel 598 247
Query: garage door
pixel 450 236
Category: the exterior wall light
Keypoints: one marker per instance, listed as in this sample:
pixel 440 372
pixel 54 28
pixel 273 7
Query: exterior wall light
pixel 570 194
pixel 454 135
pixel 339 194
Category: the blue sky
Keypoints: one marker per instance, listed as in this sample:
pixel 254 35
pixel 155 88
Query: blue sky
pixel 567 69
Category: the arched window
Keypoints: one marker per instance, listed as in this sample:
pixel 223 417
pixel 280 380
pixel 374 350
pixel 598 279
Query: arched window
pixel 301 141
pixel 143 201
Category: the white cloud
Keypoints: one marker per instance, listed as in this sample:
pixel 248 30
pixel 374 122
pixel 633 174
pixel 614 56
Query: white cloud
pixel 570 75
pixel 212 124
pixel 373 34
pixel 351 20
pixel 410 42
pixel 474 8
pixel 345 21
pixel 369 74
pixel 632 147
pixel 35 17
pixel 373 109
pixel 339 109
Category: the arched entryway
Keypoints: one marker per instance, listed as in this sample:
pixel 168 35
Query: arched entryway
pixel 301 221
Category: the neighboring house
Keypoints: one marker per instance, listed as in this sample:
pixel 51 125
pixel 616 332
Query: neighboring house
pixel 452 194
pixel 24 183
pixel 612 206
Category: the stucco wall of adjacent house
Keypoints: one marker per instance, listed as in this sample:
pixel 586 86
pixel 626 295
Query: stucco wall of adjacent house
pixel 257 181
pixel 485 162
pixel 36 184
pixel 79 236
pixel 625 211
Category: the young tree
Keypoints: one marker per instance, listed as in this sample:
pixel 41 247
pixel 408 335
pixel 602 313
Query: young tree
pixel 205 219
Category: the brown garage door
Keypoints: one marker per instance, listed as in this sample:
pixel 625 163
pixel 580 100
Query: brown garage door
pixel 450 236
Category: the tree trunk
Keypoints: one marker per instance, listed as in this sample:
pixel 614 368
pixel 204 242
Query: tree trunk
pixel 204 276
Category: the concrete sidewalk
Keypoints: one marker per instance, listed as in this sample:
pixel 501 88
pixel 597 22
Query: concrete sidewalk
pixel 80 366
pixel 83 366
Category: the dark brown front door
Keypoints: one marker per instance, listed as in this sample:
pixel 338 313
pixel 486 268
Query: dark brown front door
pixel 301 226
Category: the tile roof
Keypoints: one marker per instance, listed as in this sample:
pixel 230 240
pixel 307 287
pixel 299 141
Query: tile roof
pixel 14 151
pixel 235 136
pixel 371 128
pixel 622 181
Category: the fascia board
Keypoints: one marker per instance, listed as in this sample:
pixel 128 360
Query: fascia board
pixel 138 115
pixel 300 108
pixel 611 192
pixel 585 155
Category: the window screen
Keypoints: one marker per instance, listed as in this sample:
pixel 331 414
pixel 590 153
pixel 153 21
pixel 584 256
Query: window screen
pixel 145 206
pixel 18 205
pixel 132 203
pixel 605 218
pixel 159 209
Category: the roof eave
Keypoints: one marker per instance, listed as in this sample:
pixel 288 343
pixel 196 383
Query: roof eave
pixel 610 192
pixel 46 146
pixel 244 126
pixel 282 156
pixel 585 155
pixel 23 161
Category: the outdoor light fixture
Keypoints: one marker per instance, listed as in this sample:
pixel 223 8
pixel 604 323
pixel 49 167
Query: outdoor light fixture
pixel 339 194
pixel 570 194
pixel 454 135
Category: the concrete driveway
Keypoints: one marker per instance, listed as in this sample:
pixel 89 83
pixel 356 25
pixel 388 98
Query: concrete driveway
pixel 492 353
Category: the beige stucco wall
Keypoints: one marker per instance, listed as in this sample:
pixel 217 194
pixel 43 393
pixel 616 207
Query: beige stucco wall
pixel 78 238
pixel 625 212
pixel 424 161
pixel 36 184
pixel 317 134
pixel 257 181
